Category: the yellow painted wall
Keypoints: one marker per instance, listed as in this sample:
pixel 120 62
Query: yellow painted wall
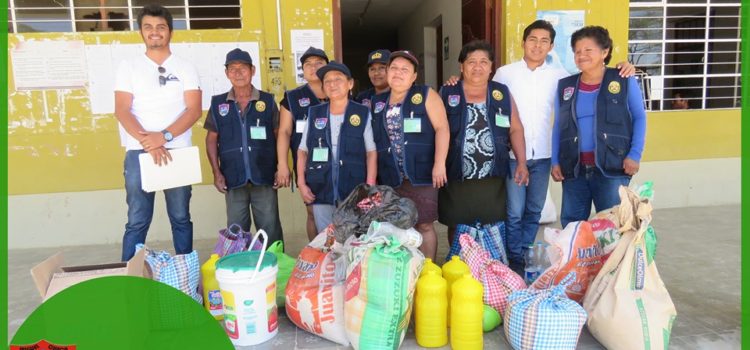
pixel 68 149
pixel 678 135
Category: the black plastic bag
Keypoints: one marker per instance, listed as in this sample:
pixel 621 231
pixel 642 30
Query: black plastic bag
pixel 369 203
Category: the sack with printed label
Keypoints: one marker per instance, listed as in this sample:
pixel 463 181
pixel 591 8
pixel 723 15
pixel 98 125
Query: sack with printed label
pixel 628 305
pixel 384 266
pixel 315 291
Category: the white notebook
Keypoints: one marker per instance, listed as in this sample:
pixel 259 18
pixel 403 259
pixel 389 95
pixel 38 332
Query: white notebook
pixel 183 170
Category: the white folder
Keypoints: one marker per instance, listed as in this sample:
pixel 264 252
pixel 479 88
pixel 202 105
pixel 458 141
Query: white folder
pixel 183 170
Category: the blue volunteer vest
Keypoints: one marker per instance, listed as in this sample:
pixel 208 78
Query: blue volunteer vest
pixel 352 155
pixel 241 158
pixel 365 97
pixel 613 126
pixel 419 148
pixel 299 99
pixel 498 102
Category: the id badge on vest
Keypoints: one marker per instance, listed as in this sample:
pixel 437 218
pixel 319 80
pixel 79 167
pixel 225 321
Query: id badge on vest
pixel 502 120
pixel 412 125
pixel 258 132
pixel 320 153
pixel 299 125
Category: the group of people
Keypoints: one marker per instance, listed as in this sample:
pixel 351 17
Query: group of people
pixel 482 148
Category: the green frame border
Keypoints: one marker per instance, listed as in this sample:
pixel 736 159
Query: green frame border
pixel 4 177
pixel 745 208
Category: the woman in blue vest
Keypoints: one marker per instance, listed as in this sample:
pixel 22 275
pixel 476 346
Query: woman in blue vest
pixel 337 151
pixel 411 134
pixel 292 118
pixel 600 129
pixel 484 127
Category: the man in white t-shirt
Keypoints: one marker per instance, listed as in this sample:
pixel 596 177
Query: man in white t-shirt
pixel 533 84
pixel 157 101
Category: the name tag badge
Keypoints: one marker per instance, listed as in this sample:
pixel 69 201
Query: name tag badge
pixel 320 154
pixel 502 120
pixel 300 126
pixel 412 125
pixel 258 132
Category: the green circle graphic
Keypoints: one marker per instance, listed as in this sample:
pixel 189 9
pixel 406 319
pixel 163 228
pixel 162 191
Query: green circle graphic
pixel 123 312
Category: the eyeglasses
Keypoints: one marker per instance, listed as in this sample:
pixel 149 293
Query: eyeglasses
pixel 162 79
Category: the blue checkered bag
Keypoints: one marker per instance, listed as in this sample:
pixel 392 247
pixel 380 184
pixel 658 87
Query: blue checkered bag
pixel 180 271
pixel 544 319
pixel 491 237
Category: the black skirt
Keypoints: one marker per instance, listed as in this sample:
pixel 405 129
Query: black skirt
pixel 471 200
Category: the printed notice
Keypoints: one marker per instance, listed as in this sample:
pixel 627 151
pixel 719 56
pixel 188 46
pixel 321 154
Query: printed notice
pixel 301 41
pixel 565 23
pixel 39 65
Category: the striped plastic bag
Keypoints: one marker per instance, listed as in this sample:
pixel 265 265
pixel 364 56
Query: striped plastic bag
pixel 380 282
pixel 497 279
pixel 180 271
pixel 544 319
pixel 490 236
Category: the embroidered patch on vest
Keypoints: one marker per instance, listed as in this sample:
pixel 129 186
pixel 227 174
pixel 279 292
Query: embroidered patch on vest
pixel 366 102
pixel 497 95
pixel 223 109
pixel 260 106
pixel 354 120
pixel 416 99
pixel 453 100
pixel 304 102
pixel 320 123
pixel 379 106
pixel 614 87
pixel 568 93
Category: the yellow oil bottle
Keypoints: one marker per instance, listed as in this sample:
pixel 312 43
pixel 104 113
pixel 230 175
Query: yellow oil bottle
pixel 211 293
pixel 430 266
pixel 431 310
pixel 453 270
pixel 467 310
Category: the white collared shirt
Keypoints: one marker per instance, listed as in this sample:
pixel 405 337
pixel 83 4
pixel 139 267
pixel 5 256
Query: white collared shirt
pixel 534 93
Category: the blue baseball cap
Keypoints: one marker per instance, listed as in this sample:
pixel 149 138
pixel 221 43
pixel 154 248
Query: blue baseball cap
pixel 378 56
pixel 405 54
pixel 238 55
pixel 331 66
pixel 313 51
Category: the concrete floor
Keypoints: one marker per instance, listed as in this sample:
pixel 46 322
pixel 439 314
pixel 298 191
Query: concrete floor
pixel 698 258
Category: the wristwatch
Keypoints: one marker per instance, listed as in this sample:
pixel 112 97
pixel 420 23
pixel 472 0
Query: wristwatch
pixel 167 135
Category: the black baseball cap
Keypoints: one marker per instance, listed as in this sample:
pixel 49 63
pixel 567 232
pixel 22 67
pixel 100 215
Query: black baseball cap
pixel 331 66
pixel 405 54
pixel 238 55
pixel 313 51
pixel 378 56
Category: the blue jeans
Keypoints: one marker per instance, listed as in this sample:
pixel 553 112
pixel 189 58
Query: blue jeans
pixel 590 184
pixel 141 211
pixel 525 205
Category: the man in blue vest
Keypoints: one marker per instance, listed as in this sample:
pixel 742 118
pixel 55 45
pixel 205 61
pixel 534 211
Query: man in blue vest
pixel 377 66
pixel 293 117
pixel 242 125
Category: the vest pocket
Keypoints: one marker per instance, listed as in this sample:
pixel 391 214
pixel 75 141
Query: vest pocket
pixel 615 150
pixel 568 156
pixel 353 145
pixel 423 163
pixel 317 176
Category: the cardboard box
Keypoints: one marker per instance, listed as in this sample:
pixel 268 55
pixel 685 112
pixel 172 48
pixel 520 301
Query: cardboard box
pixel 51 277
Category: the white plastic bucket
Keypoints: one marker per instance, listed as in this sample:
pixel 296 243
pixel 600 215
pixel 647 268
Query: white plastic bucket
pixel 247 281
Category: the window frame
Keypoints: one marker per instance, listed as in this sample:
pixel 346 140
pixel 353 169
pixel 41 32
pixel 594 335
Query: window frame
pixel 707 51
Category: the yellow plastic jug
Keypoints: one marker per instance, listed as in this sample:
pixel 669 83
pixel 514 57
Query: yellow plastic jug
pixel 466 315
pixel 453 270
pixel 430 266
pixel 431 310
pixel 211 293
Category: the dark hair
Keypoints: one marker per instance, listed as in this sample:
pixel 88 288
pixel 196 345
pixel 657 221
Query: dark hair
pixel 599 34
pixel 476 45
pixel 155 10
pixel 540 24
